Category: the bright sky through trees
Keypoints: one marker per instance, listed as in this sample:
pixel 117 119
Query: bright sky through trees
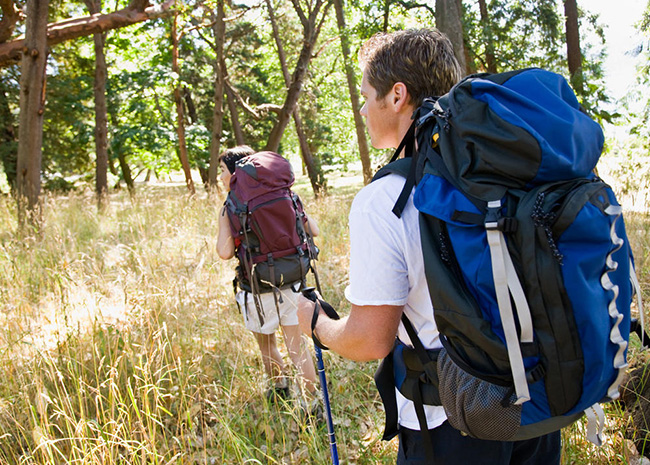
pixel 622 40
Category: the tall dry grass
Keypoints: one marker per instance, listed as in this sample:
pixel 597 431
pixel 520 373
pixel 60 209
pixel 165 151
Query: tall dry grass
pixel 121 343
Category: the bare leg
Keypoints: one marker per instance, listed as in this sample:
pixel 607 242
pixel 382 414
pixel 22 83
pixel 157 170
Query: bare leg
pixel 300 356
pixel 271 358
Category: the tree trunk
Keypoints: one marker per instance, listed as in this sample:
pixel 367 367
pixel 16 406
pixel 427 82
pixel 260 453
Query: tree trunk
pixel 311 29
pixel 234 117
pixel 8 140
pixel 101 122
pixel 180 118
pixel 490 62
pixel 449 21
pixel 126 173
pixel 574 55
pixel 101 119
pixel 219 29
pixel 32 106
pixel 78 27
pixel 189 104
pixel 364 152
pixel 315 176
pixel 386 14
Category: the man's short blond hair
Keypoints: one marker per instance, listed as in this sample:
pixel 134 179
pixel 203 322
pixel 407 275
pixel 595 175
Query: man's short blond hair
pixel 422 59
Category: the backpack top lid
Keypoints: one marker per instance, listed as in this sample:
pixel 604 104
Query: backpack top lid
pixel 260 173
pixel 514 130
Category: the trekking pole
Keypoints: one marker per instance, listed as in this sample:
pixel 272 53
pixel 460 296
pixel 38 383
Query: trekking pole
pixel 309 293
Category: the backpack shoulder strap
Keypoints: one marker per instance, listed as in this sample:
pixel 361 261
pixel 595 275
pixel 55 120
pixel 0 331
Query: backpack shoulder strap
pixel 404 167
pixel 401 167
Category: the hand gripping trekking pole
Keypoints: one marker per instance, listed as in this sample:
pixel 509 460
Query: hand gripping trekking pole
pixel 309 293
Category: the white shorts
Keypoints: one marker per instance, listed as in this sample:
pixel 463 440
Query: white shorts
pixel 288 310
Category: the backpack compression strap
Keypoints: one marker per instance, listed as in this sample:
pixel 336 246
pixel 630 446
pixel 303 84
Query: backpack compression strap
pixel 250 269
pixel 615 336
pixel 506 283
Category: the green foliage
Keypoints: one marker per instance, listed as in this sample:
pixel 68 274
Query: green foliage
pixel 142 115
pixel 594 96
pixel 69 119
pixel 9 92
pixel 521 33
pixel 530 33
pixel 139 119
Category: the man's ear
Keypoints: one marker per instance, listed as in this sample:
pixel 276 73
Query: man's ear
pixel 400 96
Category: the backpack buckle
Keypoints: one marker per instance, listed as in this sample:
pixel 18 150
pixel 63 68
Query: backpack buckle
pixel 493 219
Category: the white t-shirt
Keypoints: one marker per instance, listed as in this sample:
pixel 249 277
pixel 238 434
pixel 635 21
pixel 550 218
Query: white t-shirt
pixel 386 268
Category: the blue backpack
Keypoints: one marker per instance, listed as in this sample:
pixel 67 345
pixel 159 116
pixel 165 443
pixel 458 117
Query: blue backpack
pixel 526 256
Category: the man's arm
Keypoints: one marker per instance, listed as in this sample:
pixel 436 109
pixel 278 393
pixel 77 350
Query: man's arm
pixel 367 333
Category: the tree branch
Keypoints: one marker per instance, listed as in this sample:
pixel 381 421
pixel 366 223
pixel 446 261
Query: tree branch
pixel 77 27
pixel 10 16
pixel 301 14
pixel 409 5
pixel 258 112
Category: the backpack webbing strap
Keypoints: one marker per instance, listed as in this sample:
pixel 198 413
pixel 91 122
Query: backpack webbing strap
pixel 430 366
pixel 615 336
pixel 422 421
pixel 250 270
pixel 506 283
pixel 303 271
pixel 277 296
pixel 416 393
pixel 257 306
pixel 306 234
pixel 385 382
pixel 595 424
pixel 255 290
pixel 400 204
pixel 407 143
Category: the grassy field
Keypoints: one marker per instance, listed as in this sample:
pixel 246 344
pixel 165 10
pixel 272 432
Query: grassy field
pixel 121 343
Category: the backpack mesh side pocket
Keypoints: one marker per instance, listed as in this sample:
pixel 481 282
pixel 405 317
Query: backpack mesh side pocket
pixel 475 406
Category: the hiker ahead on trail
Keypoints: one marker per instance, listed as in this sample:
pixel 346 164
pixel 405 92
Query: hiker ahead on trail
pixel 491 250
pixel 263 223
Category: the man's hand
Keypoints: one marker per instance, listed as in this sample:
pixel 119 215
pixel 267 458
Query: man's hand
pixel 367 333
pixel 305 314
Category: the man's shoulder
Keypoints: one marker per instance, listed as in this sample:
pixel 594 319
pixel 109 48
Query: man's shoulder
pixel 388 185
pixel 380 195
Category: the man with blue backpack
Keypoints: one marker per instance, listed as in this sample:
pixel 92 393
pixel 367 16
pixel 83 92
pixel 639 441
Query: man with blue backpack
pixel 506 265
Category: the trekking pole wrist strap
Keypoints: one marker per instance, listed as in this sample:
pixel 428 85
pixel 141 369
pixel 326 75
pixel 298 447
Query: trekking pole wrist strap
pixel 314 320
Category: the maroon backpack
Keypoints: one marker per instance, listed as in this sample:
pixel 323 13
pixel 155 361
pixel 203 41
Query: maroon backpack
pixel 267 222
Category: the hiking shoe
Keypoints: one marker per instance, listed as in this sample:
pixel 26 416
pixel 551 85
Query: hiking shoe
pixel 276 394
pixel 312 412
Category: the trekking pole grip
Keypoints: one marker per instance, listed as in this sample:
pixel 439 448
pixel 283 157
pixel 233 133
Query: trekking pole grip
pixel 309 293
